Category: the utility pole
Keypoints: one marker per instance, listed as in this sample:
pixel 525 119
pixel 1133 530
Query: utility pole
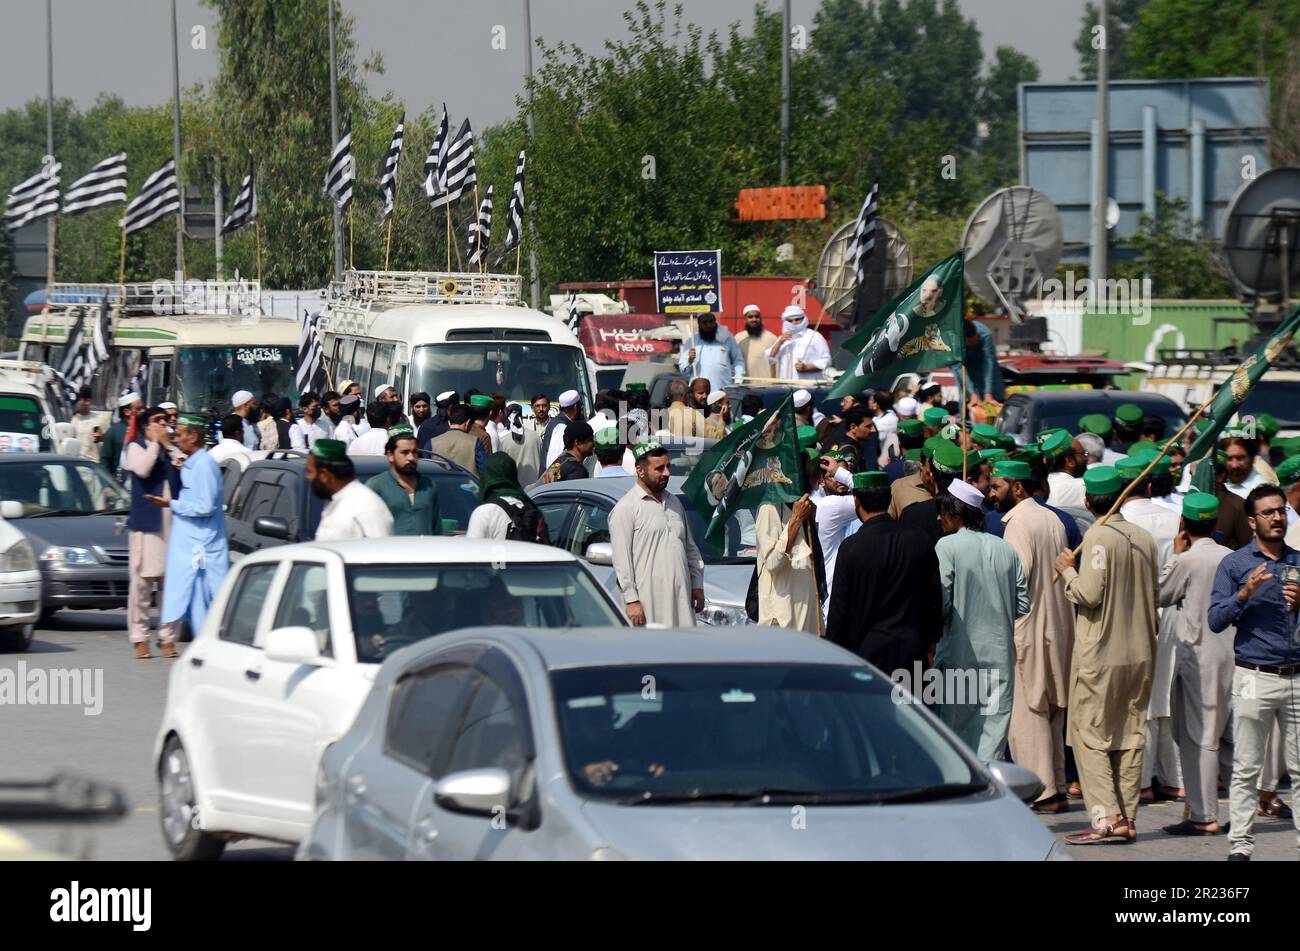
pixel 1101 190
pixel 535 285
pixel 334 138
pixel 218 214
pixel 50 226
pixel 176 150
pixel 785 91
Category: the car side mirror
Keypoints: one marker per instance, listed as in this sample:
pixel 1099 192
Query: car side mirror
pixel 1023 783
pixel 600 553
pixel 11 508
pixel 272 526
pixel 292 645
pixel 475 792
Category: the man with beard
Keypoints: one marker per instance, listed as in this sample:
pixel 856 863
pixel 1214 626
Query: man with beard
pixel 348 427
pixel 421 409
pixel 521 443
pixel 755 344
pixel 1241 452
pixel 1069 461
pixel 436 424
pixel 330 415
pixel 553 437
pixel 800 352
pixel 712 355
pixel 354 510
pixel 122 431
pixel 411 498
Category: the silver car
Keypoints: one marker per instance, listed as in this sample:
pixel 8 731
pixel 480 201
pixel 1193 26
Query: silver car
pixel 703 743
pixel 577 516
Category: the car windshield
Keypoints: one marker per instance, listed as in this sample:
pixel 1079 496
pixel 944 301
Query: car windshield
pixel 457 499
pixel 796 733
pixel 519 370
pixel 1066 415
pixel 20 425
pixel 63 488
pixel 207 376
pixel 396 605
pixel 737 543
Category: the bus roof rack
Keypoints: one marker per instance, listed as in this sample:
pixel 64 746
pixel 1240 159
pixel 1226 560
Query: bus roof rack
pixel 1224 357
pixel 426 287
pixel 161 298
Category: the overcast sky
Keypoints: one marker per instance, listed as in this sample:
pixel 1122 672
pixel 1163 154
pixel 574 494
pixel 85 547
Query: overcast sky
pixel 433 50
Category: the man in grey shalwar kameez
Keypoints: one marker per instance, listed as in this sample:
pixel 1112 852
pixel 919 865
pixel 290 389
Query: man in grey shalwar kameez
pixel 659 569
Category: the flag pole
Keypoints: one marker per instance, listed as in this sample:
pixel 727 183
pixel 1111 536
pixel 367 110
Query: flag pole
pixel 352 261
pixel 477 232
pixel 121 256
pixel 447 208
pixel 963 422
pixel 519 250
pixel 49 257
pixel 257 240
pixel 388 243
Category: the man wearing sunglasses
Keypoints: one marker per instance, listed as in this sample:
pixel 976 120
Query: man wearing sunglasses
pixel 800 352
pixel 148 461
pixel 1257 591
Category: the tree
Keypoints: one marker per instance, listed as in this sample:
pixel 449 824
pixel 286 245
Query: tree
pixel 1122 17
pixel 1180 258
pixel 998 107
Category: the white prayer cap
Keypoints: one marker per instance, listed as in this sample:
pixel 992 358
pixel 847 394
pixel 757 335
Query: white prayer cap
pixel 126 399
pixel 794 310
pixel 966 493
pixel 569 398
pixel 443 398
pixel 907 406
pixel 240 398
pixel 382 388
pixel 802 398
pixel 717 396
pixel 750 309
pixel 166 405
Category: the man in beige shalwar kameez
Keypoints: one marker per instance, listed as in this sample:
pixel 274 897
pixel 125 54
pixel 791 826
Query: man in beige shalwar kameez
pixel 659 568
pixel 1044 639
pixel 1115 590
pixel 787 588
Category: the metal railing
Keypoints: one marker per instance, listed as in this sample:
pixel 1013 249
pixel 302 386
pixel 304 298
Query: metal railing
pixel 428 287
pixel 161 298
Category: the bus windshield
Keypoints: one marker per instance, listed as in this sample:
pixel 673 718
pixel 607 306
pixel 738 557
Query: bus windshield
pixel 206 377
pixel 519 370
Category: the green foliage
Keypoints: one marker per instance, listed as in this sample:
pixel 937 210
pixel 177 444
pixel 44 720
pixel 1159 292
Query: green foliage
pixel 1179 257
pixel 1122 16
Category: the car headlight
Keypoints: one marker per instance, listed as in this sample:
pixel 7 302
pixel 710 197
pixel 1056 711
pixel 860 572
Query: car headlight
pixel 19 557
pixel 720 614
pixel 62 555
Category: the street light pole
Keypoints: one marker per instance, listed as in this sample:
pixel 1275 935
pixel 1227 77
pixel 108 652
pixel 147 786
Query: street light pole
pixel 1101 190
pixel 176 149
pixel 535 285
pixel 334 138
pixel 785 91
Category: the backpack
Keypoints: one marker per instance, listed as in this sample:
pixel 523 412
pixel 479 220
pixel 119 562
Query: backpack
pixel 527 524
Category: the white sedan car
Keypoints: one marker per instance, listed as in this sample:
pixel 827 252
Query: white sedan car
pixel 20 589
pixel 290 649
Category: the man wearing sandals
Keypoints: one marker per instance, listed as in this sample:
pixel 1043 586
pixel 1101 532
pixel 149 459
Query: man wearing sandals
pixel 1114 659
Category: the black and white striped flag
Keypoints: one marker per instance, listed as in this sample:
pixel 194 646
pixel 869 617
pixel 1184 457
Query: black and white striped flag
pixel 574 317
pixel 244 211
pixel 435 164
pixel 311 358
pixel 103 185
pixel 34 199
pixel 462 173
pixel 388 174
pixel 73 367
pixel 338 179
pixel 515 207
pixel 868 263
pixel 160 195
pixel 480 230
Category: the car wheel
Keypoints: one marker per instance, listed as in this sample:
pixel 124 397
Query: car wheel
pixel 17 639
pixel 178 810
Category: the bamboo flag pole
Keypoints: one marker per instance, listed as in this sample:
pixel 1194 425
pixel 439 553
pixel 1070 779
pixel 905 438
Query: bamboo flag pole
pixel 257 240
pixel 1123 496
pixel 447 208
pixel 519 250
pixel 388 243
pixel 478 239
pixel 49 257
pixel 121 255
pixel 352 261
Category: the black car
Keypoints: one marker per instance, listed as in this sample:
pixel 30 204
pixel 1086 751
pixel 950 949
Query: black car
pixel 1025 415
pixel 74 514
pixel 273 504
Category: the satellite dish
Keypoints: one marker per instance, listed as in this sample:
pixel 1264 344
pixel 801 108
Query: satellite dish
pixel 1112 214
pixel 1012 242
pixel 1259 239
pixel 837 283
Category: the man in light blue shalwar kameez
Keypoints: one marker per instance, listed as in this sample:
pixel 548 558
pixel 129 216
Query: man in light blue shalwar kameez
pixel 197 554
pixel 984 591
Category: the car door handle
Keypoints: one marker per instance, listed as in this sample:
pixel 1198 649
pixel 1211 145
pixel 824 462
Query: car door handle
pixel 357 784
pixel 253 674
pixel 196 661
pixel 426 830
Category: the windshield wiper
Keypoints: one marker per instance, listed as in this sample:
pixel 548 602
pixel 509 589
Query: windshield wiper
pixel 57 512
pixel 782 796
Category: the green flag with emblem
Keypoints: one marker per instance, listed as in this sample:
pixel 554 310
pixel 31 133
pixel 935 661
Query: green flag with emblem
pixel 920 329
pixel 757 463
pixel 1232 394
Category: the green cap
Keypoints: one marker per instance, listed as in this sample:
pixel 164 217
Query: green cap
pixel 192 419
pixel 807 436
pixel 870 480
pixel 1141 446
pixel 1129 413
pixel 607 438
pixel 989 455
pixel 1096 423
pixel 641 448
pixel 931 444
pixel 1288 471
pixel 1163 465
pixel 1101 480
pixel 330 450
pixel 1012 469
pixel 835 453
pixel 1129 468
pixel 449 525
pixel 1200 507
pixel 913 455
pixel 401 429
pixel 1267 426
pixel 982 434
pixel 1029 454
pixel 910 427
pixel 948 459
pixel 1054 443
pixel 934 416
pixel 635 388
pixel 813 453
pixel 481 401
pixel 1005 441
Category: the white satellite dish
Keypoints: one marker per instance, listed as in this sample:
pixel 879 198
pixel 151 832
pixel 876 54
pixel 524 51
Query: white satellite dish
pixel 1012 243
pixel 837 283
pixel 1112 214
